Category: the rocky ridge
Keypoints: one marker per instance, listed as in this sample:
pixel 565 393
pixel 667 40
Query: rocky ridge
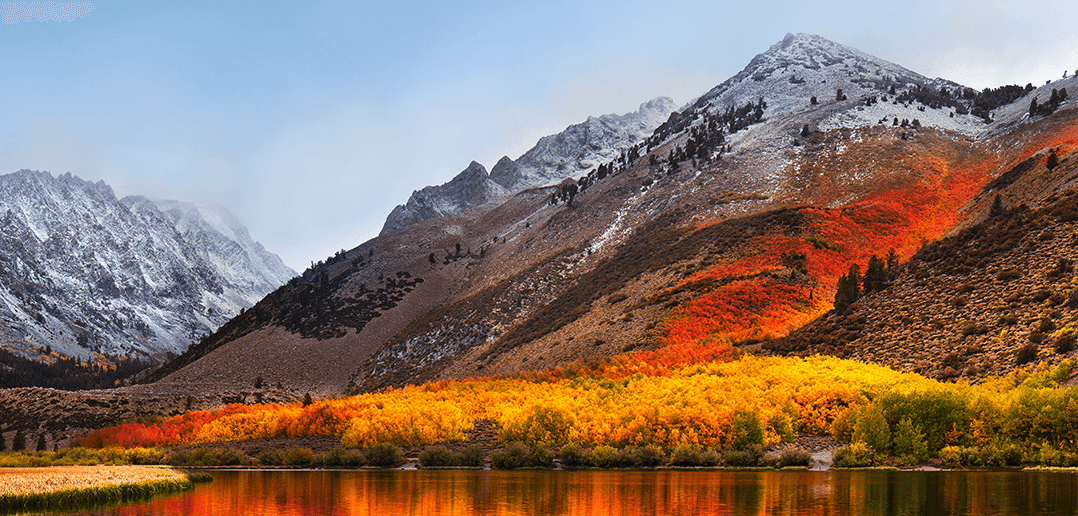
pixel 569 154
pixel 89 275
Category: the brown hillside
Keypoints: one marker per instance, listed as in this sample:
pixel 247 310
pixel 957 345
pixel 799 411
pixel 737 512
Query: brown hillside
pixel 995 296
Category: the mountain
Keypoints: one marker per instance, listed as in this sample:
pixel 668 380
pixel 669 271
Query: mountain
pixel 991 297
pixel 577 150
pixel 85 274
pixel 729 225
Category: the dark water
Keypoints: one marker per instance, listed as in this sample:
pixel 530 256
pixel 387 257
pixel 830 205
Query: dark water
pixel 388 493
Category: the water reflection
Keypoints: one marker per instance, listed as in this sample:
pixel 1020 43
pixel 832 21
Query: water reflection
pixel 388 493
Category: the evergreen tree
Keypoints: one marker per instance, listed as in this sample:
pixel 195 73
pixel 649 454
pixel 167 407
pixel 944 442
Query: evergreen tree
pixel 307 399
pixel 997 207
pixel 842 299
pixel 18 443
pixel 1053 160
pixel 3 443
pixel 892 262
pixel 41 445
pixel 875 274
pixel 849 288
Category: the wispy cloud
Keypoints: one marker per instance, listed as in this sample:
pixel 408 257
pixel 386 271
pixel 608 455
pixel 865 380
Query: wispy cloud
pixel 16 12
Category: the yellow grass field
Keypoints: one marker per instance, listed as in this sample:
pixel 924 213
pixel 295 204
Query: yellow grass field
pixel 24 481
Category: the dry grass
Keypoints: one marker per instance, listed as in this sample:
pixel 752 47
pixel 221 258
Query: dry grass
pixel 24 481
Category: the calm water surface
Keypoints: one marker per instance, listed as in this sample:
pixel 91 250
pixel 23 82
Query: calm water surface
pixel 388 493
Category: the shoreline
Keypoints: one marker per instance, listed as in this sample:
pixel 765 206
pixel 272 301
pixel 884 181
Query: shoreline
pixel 67 487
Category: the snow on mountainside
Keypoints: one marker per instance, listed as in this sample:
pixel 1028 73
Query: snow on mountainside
pixel 569 154
pixel 802 66
pixel 84 272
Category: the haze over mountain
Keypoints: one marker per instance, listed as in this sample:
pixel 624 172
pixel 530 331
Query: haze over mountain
pixel 84 273
pixel 603 260
pixel 577 150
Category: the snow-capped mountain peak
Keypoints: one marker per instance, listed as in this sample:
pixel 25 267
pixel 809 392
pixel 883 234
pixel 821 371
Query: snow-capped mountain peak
pixel 569 154
pixel 84 272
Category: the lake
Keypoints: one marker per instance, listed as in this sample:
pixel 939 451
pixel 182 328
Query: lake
pixel 388 493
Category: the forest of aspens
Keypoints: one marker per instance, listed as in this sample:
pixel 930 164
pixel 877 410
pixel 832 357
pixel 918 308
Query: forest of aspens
pixel 698 389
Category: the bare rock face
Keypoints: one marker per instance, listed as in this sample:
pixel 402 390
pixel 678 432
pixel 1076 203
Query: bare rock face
pixel 83 272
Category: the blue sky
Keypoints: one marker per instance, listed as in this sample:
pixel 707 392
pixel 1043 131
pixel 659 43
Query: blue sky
pixel 311 120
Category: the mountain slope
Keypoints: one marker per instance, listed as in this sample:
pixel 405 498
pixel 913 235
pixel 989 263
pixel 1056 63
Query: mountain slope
pixel 85 273
pixel 988 299
pixel 732 222
pixel 571 153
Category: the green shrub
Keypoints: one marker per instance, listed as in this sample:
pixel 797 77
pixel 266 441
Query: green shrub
pixel 340 458
pixel 472 457
pixel 710 458
pixel 648 457
pixel 437 456
pixel 1050 456
pixel 1064 343
pixel 208 457
pixel 782 425
pixel 747 429
pixel 750 457
pixel 298 457
pixel 82 457
pixel 794 457
pixel 540 457
pixel 871 428
pixel 270 458
pixel 572 457
pixel 961 457
pixel 1009 455
pixel 1026 354
pixel 513 456
pixel 519 455
pixel 856 455
pixel 685 456
pixel 145 455
pixel 384 455
pixel 909 442
pixel 937 412
pixel 604 456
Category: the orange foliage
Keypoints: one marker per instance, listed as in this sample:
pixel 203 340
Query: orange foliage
pixel 687 392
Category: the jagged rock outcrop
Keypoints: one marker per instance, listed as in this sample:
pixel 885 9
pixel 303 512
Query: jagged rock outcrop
pixel 83 272
pixel 569 154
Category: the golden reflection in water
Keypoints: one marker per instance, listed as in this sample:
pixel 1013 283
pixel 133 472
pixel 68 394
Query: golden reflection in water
pixel 390 493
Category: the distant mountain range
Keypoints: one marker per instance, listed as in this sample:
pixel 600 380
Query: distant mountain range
pixel 83 273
